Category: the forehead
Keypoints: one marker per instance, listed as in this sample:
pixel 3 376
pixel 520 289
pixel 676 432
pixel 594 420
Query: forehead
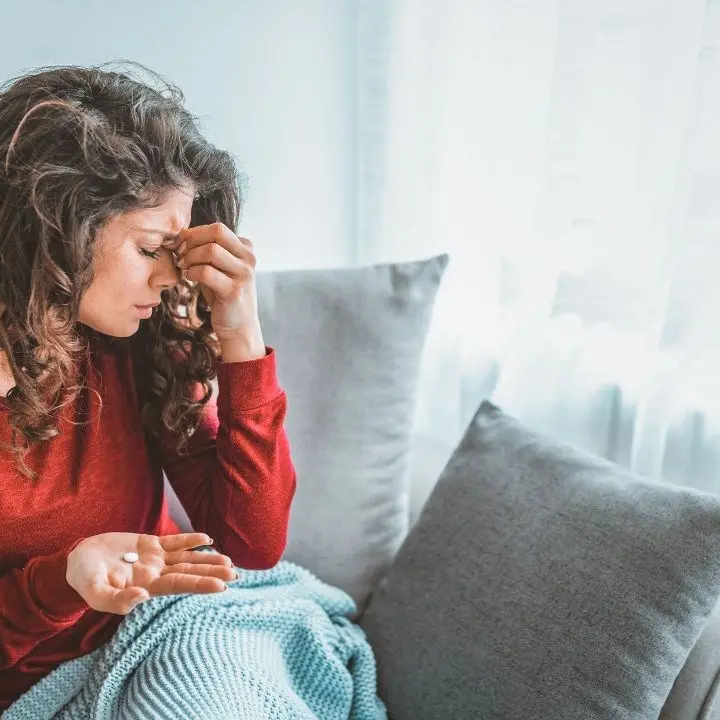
pixel 170 216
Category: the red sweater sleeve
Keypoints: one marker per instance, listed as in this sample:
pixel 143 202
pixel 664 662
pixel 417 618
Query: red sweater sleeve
pixel 238 481
pixel 36 603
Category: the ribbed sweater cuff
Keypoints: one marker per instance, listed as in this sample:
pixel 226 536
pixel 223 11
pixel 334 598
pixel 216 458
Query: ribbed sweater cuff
pixel 247 385
pixel 50 589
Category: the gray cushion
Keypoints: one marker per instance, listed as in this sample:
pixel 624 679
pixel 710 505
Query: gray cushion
pixel 696 692
pixel 349 344
pixel 542 582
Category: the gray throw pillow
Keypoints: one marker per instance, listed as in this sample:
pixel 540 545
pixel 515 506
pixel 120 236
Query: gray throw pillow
pixel 541 583
pixel 349 344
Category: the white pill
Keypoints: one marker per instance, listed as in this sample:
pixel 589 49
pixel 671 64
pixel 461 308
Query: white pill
pixel 130 557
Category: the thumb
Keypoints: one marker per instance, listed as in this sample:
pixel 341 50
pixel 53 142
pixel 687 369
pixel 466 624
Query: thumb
pixel 127 599
pixel 120 602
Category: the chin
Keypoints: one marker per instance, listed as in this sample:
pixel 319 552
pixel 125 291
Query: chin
pixel 128 332
pixel 118 331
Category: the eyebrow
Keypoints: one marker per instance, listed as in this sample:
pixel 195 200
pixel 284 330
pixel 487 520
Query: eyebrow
pixel 167 237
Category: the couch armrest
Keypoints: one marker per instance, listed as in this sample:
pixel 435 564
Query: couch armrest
pixel 696 692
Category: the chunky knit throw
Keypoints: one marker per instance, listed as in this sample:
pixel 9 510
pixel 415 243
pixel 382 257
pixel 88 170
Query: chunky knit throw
pixel 276 644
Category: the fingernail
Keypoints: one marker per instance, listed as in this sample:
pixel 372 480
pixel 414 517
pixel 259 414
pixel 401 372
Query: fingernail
pixel 180 262
pixel 211 541
pixel 182 248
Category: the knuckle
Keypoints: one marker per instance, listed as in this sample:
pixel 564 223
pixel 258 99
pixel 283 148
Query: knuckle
pixel 172 581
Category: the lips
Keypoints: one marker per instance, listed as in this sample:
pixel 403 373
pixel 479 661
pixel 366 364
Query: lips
pixel 151 305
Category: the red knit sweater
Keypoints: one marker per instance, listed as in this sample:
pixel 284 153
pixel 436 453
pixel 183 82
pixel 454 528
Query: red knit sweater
pixel 101 474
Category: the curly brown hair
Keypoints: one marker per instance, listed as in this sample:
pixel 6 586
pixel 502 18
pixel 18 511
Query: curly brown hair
pixel 78 146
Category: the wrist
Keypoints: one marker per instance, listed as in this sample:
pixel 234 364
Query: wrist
pixel 71 564
pixel 242 346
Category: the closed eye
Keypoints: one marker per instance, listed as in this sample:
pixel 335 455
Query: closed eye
pixel 154 254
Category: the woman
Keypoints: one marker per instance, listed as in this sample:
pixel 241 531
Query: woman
pixel 124 292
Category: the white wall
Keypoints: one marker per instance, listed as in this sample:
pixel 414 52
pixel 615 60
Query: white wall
pixel 273 80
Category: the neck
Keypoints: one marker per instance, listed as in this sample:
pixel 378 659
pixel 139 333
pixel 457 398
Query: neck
pixel 7 379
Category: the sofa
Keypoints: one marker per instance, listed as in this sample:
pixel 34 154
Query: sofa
pixel 511 576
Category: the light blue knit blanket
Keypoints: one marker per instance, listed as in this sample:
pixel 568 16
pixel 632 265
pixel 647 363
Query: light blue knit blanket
pixel 276 645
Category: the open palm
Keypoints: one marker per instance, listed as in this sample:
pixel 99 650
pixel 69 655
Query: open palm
pixel 166 565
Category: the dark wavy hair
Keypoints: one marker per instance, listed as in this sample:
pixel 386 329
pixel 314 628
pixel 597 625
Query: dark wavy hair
pixel 78 146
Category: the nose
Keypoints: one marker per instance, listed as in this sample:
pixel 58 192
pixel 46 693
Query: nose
pixel 165 274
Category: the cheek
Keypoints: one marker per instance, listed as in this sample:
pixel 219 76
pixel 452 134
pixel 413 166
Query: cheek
pixel 134 271
pixel 122 276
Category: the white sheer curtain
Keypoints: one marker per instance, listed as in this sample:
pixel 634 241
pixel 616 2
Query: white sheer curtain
pixel 567 156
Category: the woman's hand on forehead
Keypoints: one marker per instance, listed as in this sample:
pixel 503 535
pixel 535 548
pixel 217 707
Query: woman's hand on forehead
pixel 223 264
